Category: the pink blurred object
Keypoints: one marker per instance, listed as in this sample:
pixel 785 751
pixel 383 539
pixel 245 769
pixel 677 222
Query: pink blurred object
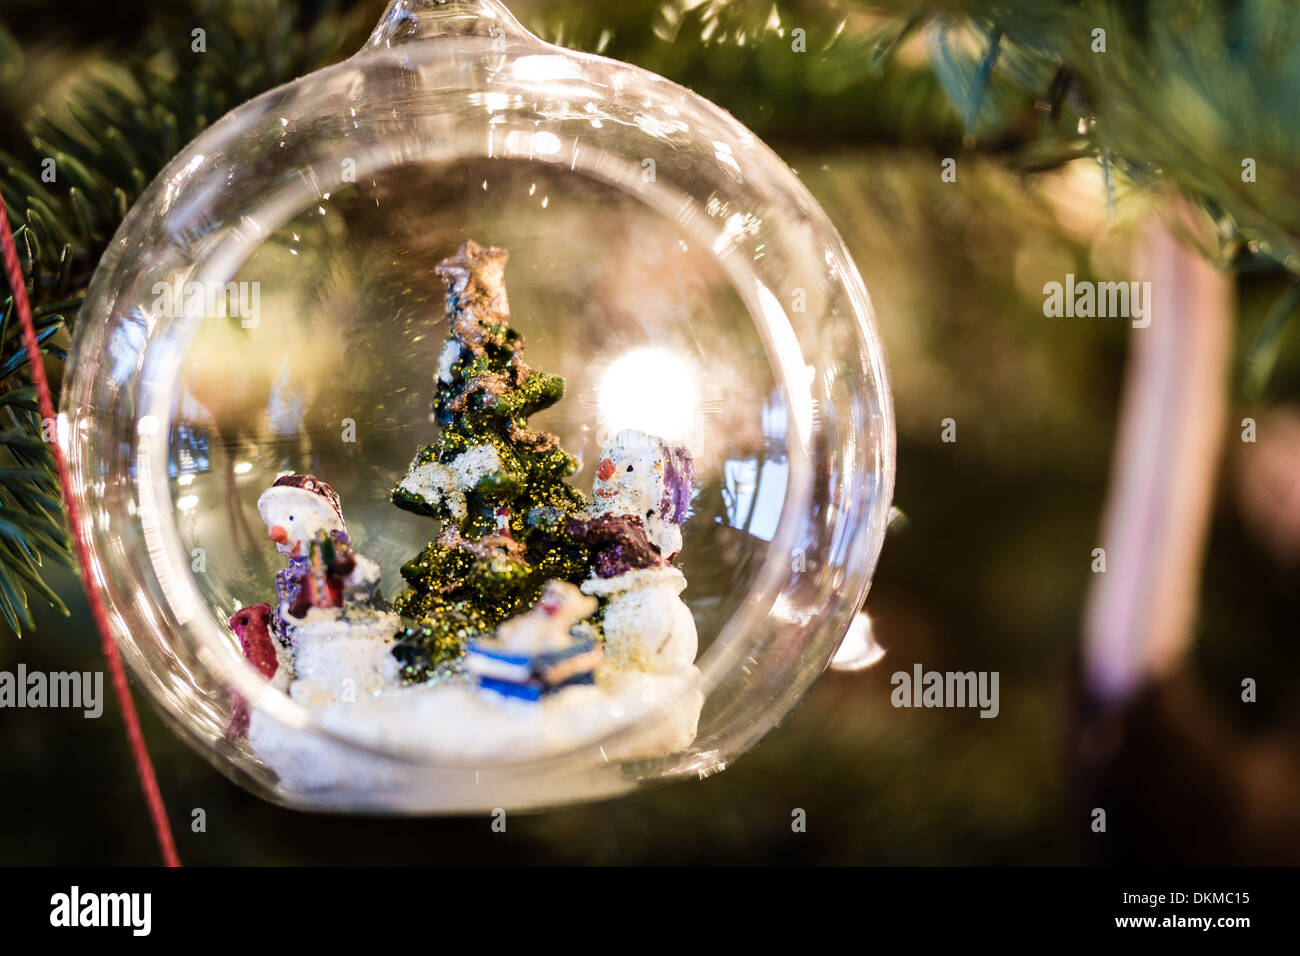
pixel 1269 483
pixel 1138 623
pixel 252 625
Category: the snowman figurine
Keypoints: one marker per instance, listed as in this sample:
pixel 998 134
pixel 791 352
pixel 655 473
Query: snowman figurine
pixel 301 513
pixel 643 490
pixel 643 475
pixel 329 608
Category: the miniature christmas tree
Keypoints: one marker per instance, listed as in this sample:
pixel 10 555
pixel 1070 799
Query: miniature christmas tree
pixel 497 486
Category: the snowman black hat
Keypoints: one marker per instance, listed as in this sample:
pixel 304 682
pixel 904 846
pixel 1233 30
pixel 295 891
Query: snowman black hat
pixel 304 496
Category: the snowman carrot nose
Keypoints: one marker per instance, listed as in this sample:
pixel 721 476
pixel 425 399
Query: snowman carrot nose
pixel 606 470
pixel 278 534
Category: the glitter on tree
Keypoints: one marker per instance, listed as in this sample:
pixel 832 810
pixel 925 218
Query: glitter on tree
pixel 497 485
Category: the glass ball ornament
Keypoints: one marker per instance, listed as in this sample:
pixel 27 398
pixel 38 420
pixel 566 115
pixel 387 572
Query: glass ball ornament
pixel 270 305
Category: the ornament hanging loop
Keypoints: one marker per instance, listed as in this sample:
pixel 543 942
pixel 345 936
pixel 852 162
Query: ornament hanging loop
pixel 407 20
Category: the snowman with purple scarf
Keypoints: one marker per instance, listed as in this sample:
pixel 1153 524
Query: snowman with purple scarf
pixel 328 604
pixel 298 510
pixel 643 490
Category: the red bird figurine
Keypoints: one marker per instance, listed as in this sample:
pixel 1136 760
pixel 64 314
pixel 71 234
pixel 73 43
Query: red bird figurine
pixel 252 625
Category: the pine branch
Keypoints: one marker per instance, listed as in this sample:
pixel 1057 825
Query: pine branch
pixel 1183 94
pixel 1190 97
pixel 123 121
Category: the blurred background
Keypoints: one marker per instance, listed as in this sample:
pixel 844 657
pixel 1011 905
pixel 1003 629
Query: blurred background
pixel 1119 164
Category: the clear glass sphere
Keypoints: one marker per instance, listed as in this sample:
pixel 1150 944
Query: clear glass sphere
pixel 663 261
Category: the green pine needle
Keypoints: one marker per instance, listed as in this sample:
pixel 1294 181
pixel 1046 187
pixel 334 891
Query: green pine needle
pixel 121 124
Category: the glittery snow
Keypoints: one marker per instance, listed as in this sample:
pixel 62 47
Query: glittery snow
pixel 436 482
pixel 449 357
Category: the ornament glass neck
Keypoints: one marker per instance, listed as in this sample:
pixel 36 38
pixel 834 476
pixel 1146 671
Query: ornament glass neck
pixel 408 20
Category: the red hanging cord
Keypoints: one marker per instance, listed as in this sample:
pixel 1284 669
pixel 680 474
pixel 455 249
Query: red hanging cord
pixel 143 765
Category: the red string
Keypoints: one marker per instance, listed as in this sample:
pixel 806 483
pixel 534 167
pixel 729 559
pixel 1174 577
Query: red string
pixel 143 765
